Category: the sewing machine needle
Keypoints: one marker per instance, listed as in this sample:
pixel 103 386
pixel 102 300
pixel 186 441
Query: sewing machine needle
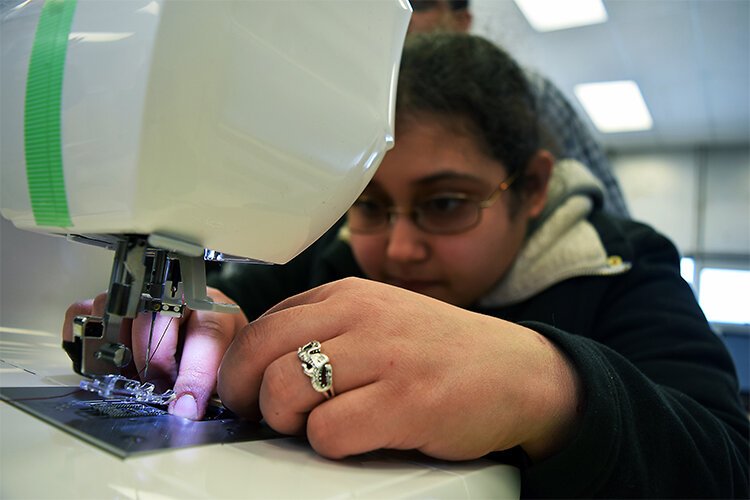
pixel 148 348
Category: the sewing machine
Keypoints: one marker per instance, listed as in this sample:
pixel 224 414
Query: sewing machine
pixel 173 133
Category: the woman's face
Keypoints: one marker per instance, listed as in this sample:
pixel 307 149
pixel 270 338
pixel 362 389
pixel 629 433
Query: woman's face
pixel 430 159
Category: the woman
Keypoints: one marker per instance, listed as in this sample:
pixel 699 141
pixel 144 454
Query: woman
pixel 500 310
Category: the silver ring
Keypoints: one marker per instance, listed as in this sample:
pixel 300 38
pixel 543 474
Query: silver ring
pixel 317 366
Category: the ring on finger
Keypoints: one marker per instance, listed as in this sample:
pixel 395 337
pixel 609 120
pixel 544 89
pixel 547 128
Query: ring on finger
pixel 317 366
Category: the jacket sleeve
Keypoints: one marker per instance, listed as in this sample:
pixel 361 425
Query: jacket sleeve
pixel 662 416
pixel 258 287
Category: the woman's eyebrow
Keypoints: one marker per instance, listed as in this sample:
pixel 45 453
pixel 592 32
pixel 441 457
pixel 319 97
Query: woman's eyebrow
pixel 448 176
pixel 441 176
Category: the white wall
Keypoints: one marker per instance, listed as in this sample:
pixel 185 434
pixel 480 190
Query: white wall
pixel 41 275
pixel 726 216
pixel 699 198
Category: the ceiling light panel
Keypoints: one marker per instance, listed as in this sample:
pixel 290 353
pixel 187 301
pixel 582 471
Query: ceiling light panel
pixel 551 15
pixel 615 106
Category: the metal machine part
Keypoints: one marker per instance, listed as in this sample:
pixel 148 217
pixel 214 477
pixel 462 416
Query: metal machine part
pixel 155 274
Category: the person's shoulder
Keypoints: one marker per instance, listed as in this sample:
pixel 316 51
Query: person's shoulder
pixel 543 88
pixel 631 239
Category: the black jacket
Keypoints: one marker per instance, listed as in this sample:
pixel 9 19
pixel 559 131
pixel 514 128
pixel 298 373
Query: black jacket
pixel 662 415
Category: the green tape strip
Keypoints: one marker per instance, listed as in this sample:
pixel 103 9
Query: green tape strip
pixel 42 115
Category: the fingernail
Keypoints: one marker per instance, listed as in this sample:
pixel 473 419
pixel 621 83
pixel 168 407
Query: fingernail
pixel 185 407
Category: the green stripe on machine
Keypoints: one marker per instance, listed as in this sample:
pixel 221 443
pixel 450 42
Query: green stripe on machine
pixel 42 115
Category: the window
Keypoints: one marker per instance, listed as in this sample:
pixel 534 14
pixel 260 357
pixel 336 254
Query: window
pixel 724 295
pixel 687 270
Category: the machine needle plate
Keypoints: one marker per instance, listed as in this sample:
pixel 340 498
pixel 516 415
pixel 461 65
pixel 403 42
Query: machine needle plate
pixel 126 428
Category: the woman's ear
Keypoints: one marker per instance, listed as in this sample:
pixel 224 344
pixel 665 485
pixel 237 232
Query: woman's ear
pixel 536 182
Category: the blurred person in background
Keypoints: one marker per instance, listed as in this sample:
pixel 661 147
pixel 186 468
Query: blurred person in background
pixel 563 132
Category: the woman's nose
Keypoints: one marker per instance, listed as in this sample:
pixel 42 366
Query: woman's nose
pixel 406 242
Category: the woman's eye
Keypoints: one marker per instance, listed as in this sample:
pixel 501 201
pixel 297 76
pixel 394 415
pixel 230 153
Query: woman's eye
pixel 444 205
pixel 368 207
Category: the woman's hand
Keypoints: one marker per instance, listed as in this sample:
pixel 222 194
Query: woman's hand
pixel 185 353
pixel 409 372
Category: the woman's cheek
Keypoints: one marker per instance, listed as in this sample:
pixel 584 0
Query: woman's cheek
pixel 369 255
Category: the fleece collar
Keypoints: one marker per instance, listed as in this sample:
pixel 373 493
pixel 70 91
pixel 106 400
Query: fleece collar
pixel 561 244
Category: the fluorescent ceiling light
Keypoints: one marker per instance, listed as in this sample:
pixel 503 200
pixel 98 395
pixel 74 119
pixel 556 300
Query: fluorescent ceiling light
pixel 550 15
pixel 615 106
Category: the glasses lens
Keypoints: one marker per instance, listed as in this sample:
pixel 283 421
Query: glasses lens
pixel 442 214
pixel 447 214
pixel 367 215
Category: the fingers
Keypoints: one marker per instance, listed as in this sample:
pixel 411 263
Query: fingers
pixel 156 340
pixel 382 372
pixel 315 295
pixel 189 364
pixel 262 374
pixel 100 302
pixel 359 421
pixel 321 314
pixel 82 308
pixel 209 336
pixel 265 340
pixel 286 393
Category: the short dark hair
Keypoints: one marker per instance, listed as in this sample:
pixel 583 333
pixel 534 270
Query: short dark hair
pixel 472 83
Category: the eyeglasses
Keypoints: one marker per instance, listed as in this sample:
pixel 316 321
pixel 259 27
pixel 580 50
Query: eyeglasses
pixel 446 213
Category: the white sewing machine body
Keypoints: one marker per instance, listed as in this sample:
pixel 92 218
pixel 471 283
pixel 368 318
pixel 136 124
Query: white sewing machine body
pixel 242 127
